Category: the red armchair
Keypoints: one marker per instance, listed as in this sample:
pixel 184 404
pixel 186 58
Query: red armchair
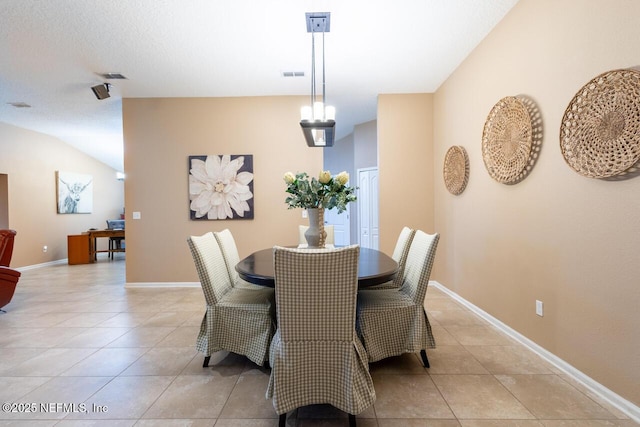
pixel 8 276
pixel 8 281
pixel 6 246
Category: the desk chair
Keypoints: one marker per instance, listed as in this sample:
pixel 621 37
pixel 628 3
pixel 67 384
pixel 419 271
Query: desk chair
pixel 316 356
pixel 115 242
pixel 391 322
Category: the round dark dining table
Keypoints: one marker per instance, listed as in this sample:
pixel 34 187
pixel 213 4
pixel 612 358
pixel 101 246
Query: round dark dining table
pixel 374 268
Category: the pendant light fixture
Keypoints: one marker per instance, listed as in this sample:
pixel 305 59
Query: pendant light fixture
pixel 318 121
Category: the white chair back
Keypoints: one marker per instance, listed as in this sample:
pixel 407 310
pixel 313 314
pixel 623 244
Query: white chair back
pixel 229 252
pixel 211 267
pixel 417 270
pixel 400 253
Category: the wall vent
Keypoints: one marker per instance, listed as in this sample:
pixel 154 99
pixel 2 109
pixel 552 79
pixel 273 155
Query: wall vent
pixel 293 74
pixel 19 104
pixel 113 76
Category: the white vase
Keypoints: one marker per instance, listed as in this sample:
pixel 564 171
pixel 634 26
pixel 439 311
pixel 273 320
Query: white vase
pixel 315 234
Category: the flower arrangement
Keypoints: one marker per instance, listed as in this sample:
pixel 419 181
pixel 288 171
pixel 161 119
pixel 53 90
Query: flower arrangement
pixel 326 191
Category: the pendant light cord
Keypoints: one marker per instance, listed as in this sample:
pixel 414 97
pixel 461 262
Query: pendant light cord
pixel 324 100
pixel 313 66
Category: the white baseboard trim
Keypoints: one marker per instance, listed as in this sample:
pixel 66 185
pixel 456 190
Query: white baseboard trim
pixel 615 400
pixel 162 285
pixel 44 264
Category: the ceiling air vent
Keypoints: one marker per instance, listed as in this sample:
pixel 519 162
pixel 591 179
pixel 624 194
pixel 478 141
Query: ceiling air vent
pixel 113 76
pixel 293 74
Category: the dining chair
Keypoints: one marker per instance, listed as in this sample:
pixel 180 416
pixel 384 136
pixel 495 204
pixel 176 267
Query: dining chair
pixel 231 257
pixel 236 319
pixel 399 255
pixel 330 239
pixel 316 356
pixel 391 322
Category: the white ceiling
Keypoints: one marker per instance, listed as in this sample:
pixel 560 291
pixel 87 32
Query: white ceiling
pixel 52 52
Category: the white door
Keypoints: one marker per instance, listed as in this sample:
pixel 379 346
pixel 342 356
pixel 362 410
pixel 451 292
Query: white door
pixel 368 229
pixel 341 225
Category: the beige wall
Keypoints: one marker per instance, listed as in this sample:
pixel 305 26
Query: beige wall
pixel 160 135
pixel 405 162
pixel 569 241
pixel 30 161
pixel 365 150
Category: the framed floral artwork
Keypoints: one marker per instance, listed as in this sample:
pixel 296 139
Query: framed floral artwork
pixel 74 193
pixel 221 187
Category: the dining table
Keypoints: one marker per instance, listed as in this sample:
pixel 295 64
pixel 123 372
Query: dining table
pixel 374 268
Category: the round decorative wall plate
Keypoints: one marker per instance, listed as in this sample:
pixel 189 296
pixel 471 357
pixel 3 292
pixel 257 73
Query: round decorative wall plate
pixel 507 140
pixel 456 169
pixel 600 130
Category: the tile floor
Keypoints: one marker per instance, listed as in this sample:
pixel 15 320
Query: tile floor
pixel 78 349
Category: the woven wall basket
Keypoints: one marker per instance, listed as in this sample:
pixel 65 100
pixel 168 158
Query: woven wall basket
pixel 507 140
pixel 456 169
pixel 600 130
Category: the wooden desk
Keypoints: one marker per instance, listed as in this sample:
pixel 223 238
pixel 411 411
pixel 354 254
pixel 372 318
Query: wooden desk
pixel 374 268
pixel 94 234
pixel 78 249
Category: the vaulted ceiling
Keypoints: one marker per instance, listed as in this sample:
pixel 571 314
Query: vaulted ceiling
pixel 52 52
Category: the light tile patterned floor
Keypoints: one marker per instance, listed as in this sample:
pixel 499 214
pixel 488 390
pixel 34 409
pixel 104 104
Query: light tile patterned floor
pixel 85 351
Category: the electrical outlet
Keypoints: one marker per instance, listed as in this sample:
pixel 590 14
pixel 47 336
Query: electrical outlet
pixel 44 248
pixel 136 215
pixel 304 213
pixel 539 308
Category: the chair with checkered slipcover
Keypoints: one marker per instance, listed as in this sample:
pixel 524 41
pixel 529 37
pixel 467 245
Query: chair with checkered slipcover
pixel 238 320
pixel 316 356
pixel 399 255
pixel 391 322
pixel 231 257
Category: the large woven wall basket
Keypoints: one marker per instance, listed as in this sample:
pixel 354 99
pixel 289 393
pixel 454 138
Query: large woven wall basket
pixel 507 140
pixel 600 130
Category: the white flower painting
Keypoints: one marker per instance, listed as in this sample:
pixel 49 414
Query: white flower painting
pixel 221 187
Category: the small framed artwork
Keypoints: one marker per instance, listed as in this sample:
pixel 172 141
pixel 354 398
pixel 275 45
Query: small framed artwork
pixel 221 187
pixel 74 192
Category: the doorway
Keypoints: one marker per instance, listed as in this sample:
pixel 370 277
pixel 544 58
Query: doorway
pixel 368 221
pixel 341 225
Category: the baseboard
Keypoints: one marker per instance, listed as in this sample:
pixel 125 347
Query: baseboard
pixel 615 400
pixel 162 285
pixel 44 264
